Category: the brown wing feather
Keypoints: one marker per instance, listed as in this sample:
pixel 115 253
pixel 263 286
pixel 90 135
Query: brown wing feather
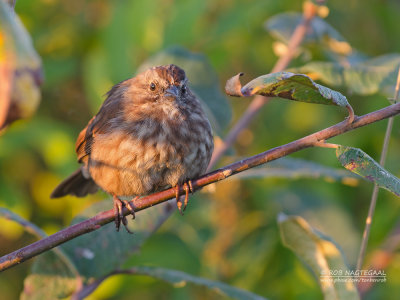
pixel 76 184
pixel 100 123
pixel 85 140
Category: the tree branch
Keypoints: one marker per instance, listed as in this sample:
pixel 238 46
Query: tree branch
pixel 309 11
pixel 103 218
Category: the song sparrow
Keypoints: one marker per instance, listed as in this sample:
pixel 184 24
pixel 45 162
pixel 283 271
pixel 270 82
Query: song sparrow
pixel 150 134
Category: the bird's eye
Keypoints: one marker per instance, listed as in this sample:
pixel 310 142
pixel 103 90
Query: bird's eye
pixel 152 86
pixel 183 89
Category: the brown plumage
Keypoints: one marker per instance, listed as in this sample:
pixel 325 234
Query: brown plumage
pixel 150 134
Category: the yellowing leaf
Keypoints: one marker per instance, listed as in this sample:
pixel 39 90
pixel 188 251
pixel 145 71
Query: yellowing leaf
pixel 320 254
pixel 20 69
pixel 320 34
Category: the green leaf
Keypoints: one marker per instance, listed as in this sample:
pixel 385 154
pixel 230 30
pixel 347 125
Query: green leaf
pixel 50 278
pixel 294 168
pixel 298 87
pixel 39 233
pixel 376 75
pixel 29 227
pixel 362 164
pixel 319 253
pixel 99 252
pixel 95 254
pixel 53 274
pixel 282 26
pixel 320 34
pixel 203 81
pixel 179 279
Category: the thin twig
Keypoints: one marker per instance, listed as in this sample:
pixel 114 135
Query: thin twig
pixel 105 217
pixel 259 101
pixel 375 192
pixel 383 257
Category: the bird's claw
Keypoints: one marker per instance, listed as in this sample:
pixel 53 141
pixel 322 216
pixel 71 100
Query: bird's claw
pixel 188 187
pixel 118 212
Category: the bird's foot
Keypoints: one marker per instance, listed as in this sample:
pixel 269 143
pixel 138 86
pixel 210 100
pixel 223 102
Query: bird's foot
pixel 118 212
pixel 187 186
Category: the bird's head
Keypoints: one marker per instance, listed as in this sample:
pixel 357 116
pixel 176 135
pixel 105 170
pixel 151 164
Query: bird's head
pixel 161 84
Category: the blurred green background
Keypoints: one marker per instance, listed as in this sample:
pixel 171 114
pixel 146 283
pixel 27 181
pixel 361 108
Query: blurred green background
pixel 229 232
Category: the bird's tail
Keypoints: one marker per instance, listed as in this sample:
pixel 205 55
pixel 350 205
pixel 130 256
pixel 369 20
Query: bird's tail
pixel 76 184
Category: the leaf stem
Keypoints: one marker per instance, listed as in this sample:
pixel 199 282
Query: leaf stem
pixel 375 192
pixel 351 116
pixel 323 144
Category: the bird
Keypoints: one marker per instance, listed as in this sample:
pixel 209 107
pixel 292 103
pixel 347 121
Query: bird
pixel 151 133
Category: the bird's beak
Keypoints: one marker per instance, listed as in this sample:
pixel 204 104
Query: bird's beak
pixel 172 91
